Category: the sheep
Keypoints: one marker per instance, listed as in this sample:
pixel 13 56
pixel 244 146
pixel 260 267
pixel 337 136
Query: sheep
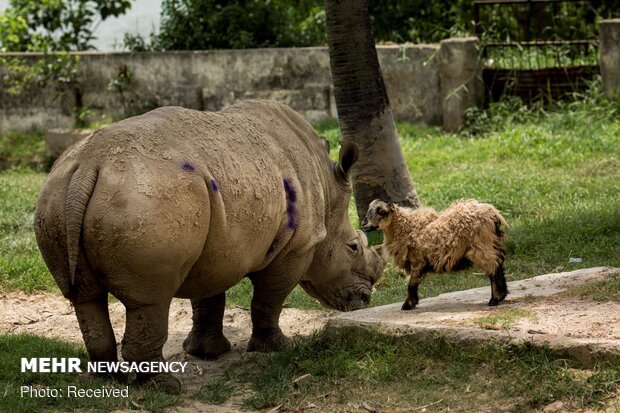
pixel 422 241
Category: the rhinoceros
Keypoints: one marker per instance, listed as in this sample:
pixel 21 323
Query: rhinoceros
pixel 183 203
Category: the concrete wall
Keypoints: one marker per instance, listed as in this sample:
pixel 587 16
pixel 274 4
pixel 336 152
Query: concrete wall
pixel 211 80
pixel 610 57
pixel 462 86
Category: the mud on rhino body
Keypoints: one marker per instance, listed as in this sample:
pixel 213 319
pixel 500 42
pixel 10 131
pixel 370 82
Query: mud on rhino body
pixel 181 203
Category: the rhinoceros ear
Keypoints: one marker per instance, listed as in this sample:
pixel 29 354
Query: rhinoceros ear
pixel 348 156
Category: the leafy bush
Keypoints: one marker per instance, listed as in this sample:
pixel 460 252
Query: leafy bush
pixel 219 24
pixel 53 28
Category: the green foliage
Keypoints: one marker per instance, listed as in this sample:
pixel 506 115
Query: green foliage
pixel 419 21
pixel 53 28
pixel 54 25
pixel 544 21
pixel 218 24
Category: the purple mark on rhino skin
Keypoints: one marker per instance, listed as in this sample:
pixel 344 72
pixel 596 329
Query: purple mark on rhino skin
pixel 214 185
pixel 188 167
pixel 291 199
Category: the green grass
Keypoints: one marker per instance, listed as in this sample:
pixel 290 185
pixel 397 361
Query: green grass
pixel 21 265
pixel 504 318
pixel 22 149
pixel 400 374
pixel 602 291
pixel 11 380
pixel 217 390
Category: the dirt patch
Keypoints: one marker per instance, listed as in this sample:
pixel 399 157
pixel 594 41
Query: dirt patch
pixel 555 316
pixel 52 316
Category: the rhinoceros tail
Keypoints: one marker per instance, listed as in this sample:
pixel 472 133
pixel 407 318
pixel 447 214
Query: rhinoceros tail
pixel 80 189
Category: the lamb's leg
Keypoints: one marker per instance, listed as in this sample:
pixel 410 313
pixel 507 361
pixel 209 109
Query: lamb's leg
pixel 499 288
pixel 206 338
pixel 491 260
pixel 412 290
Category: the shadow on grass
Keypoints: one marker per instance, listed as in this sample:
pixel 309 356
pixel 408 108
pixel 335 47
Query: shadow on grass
pixel 19 388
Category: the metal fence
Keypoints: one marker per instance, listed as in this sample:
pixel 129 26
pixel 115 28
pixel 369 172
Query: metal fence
pixel 537 49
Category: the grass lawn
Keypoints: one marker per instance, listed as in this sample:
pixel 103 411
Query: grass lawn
pixel 29 346
pixel 389 371
pixel 555 175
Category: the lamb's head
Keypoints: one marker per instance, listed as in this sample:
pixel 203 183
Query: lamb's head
pixel 379 215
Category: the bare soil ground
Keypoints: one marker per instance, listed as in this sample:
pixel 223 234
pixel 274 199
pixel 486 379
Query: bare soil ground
pixel 570 317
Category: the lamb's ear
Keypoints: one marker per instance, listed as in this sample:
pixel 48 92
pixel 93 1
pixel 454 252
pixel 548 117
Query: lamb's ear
pixel 391 206
pixel 347 157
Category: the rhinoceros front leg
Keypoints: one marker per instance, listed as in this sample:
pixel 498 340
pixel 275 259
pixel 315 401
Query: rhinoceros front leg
pixel 146 331
pixel 206 338
pixel 271 287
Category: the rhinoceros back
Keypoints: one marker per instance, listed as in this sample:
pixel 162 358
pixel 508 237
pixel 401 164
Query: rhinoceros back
pixel 212 196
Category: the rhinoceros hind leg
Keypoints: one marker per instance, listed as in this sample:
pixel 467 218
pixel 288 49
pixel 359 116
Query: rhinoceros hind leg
pixel 146 331
pixel 94 321
pixel 206 339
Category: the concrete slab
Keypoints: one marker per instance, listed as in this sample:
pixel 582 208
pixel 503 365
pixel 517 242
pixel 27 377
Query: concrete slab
pixel 582 330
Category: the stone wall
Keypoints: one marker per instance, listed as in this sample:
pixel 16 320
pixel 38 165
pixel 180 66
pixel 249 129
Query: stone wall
pixel 610 57
pixel 211 80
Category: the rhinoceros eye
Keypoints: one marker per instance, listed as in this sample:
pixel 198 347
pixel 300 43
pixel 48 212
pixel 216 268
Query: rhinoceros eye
pixel 353 247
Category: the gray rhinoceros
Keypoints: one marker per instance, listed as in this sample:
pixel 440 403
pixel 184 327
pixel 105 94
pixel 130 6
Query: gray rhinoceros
pixel 182 203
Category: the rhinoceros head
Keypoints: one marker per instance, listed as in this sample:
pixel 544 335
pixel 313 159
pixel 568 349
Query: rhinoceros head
pixel 344 268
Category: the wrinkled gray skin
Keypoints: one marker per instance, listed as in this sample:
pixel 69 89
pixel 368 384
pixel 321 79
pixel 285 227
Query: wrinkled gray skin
pixel 181 203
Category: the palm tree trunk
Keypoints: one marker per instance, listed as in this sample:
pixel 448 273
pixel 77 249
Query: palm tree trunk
pixel 364 110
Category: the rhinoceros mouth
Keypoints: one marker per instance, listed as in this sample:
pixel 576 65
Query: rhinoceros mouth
pixel 355 298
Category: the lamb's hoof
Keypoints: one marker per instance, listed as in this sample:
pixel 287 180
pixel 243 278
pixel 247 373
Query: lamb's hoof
pixel 408 305
pixel 165 382
pixel 275 342
pixel 208 347
pixel 493 302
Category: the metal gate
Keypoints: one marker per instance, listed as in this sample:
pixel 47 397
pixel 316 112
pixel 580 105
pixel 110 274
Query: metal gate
pixel 537 49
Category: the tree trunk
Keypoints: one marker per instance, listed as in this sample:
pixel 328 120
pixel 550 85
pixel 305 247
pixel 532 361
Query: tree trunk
pixel 364 110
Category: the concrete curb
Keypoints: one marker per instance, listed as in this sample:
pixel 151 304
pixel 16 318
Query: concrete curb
pixel 421 324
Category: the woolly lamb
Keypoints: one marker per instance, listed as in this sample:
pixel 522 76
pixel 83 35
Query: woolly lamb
pixel 465 235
